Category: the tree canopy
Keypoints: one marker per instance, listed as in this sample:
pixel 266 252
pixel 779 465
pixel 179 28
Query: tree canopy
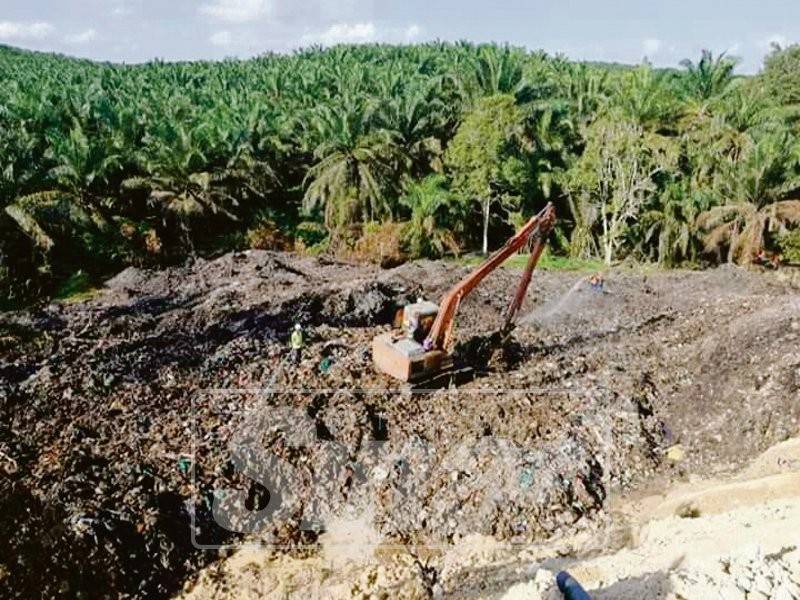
pixel 106 165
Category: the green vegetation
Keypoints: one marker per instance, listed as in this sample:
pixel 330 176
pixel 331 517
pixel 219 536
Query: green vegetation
pixel 387 153
pixel 76 288
pixel 548 262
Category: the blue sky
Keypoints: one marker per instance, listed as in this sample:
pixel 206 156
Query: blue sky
pixel 620 30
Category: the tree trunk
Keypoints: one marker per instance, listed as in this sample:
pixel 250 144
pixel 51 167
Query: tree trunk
pixel 609 253
pixel 486 207
pixel 733 241
pixel 607 240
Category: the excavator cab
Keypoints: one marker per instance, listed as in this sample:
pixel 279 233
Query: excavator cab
pixel 418 350
pixel 401 353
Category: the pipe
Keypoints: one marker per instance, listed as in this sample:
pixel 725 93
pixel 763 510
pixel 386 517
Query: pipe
pixel 570 587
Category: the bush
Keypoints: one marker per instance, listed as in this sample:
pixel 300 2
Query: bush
pixel 789 244
pixel 76 288
pixel 267 236
pixel 310 238
pixel 381 243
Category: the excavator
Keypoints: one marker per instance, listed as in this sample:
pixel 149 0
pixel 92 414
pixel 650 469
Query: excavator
pixel 420 349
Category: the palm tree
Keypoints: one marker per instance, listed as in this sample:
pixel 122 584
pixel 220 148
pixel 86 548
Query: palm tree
pixel 435 213
pixel 199 171
pixel 354 165
pixel 709 77
pixel 80 172
pixel 545 139
pixel 585 88
pixel 670 226
pixel 755 198
pixel 495 70
pixel 646 96
pixel 418 120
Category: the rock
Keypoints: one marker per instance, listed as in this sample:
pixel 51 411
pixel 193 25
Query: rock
pixel 744 583
pixel 688 510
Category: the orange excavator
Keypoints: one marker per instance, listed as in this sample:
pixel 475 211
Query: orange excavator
pixel 421 349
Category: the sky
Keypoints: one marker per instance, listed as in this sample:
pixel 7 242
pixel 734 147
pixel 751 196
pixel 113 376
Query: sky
pixel 605 30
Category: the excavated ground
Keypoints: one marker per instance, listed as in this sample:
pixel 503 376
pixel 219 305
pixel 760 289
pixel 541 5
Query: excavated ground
pixel 165 406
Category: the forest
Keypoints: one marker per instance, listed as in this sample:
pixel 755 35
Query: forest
pixel 387 153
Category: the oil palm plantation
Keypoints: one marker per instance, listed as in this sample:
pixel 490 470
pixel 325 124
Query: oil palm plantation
pixel 757 196
pixel 354 165
pixel 195 153
pixel 433 210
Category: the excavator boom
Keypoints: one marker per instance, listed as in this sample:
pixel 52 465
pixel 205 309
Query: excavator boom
pixel 538 226
pixel 403 357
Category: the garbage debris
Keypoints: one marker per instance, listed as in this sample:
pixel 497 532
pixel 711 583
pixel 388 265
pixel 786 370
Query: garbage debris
pixel 129 421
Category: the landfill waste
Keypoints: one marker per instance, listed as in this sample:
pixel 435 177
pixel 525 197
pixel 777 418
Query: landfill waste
pixel 135 424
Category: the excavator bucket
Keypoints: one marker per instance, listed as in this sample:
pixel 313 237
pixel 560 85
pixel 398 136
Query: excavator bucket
pixel 405 359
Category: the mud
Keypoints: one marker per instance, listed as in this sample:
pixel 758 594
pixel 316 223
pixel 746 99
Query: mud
pixel 123 417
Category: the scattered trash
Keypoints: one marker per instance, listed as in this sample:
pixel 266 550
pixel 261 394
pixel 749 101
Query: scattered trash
pixel 526 479
pixel 184 464
pixel 676 453
pixel 100 412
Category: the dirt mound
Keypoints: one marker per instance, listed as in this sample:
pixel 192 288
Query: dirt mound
pixel 164 406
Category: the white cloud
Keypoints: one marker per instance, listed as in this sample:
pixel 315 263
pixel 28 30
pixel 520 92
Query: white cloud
pixel 11 30
pixel 651 46
pixel 412 33
pixel 221 38
pixel 361 33
pixel 84 37
pixel 343 33
pixel 236 11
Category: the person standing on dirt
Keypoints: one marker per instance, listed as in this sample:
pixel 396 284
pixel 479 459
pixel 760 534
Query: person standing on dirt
pixel 596 282
pixel 296 342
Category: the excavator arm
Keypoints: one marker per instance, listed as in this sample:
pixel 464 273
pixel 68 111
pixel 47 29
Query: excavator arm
pixel 537 229
pixel 400 354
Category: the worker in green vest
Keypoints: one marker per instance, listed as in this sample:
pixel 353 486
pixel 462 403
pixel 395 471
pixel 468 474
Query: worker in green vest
pixel 297 344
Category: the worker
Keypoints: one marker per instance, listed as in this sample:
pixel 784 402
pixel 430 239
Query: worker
pixel 412 321
pixel 296 344
pixel 596 282
pixel 775 261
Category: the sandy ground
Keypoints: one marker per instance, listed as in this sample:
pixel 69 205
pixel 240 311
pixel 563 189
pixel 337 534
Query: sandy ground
pixel 686 541
pixel 725 538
